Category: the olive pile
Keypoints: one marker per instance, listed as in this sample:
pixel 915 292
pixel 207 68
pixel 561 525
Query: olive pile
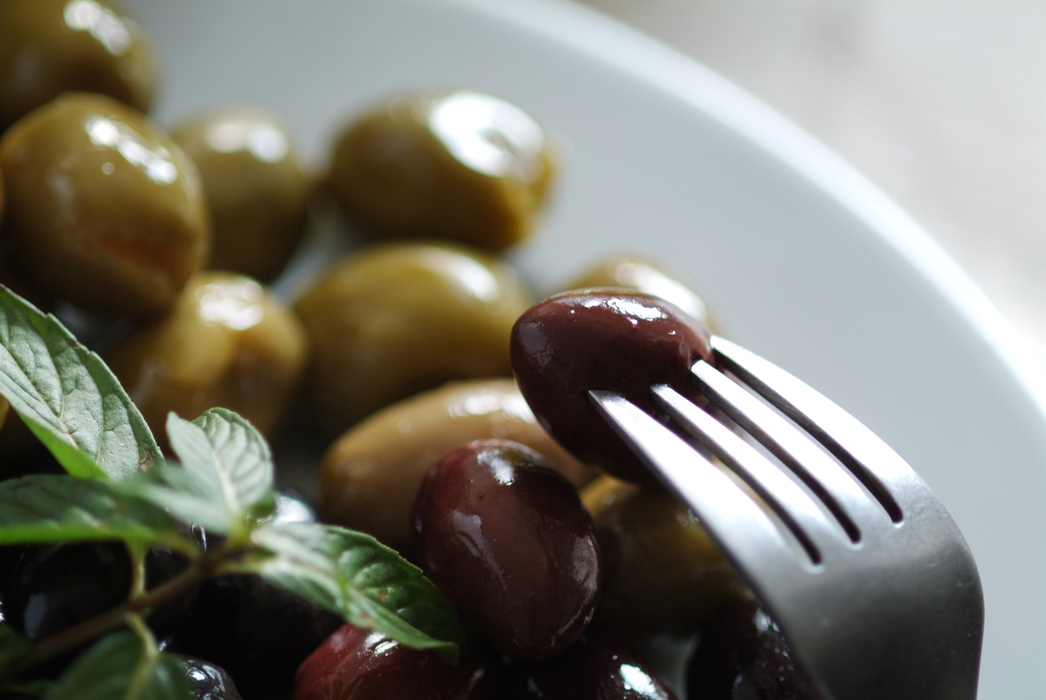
pixel 398 360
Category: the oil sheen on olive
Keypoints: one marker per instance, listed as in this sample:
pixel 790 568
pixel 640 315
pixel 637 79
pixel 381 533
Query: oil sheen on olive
pixel 742 654
pixel 255 631
pixel 397 319
pixel 369 477
pixel 226 342
pixel 507 540
pixel 48 47
pixel 460 165
pixel 208 681
pixel 360 664
pixel 103 209
pixel 608 339
pixel 53 587
pixel 595 668
pixel 255 187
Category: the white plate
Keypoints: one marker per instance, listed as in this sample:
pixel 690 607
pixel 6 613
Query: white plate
pixel 806 262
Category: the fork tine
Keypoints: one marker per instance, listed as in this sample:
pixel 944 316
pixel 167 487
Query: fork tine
pixel 882 471
pixel 743 530
pixel 832 484
pixel 790 502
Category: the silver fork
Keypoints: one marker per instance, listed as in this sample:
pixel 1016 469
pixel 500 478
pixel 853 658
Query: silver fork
pixel 858 562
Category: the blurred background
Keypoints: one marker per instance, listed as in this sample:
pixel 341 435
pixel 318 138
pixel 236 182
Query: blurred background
pixel 940 103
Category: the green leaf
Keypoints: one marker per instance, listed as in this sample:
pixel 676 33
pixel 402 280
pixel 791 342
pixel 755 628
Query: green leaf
pixel 370 584
pixel 225 481
pixel 123 666
pixel 57 508
pixel 13 646
pixel 68 397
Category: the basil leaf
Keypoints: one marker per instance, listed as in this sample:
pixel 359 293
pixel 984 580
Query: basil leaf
pixel 13 646
pixel 68 397
pixel 123 666
pixel 370 584
pixel 225 481
pixel 56 508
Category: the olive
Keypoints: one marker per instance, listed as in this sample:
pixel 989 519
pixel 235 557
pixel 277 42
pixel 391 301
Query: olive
pixel 369 477
pixel 457 165
pixel 401 318
pixel 54 587
pixel 610 339
pixel 226 342
pixel 48 47
pixel 663 573
pixel 208 681
pixel 255 188
pixel 103 209
pixel 257 632
pixel 742 654
pixel 596 668
pixel 358 664
pixel 636 272
pixel 507 540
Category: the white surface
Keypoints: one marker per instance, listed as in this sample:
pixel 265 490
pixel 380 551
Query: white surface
pixel 806 262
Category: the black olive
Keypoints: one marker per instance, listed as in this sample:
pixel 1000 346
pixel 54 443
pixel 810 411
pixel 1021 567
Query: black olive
pixel 209 681
pixel 257 632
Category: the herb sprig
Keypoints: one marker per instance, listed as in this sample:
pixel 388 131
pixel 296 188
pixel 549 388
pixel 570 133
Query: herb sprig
pixel 120 488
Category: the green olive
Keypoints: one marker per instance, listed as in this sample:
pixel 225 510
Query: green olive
pixel 664 574
pixel 226 342
pixel 255 188
pixel 461 165
pixel 48 47
pixel 103 210
pixel 370 476
pixel 633 271
pixel 400 318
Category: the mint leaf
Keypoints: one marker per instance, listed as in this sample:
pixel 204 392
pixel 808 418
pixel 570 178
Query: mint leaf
pixel 370 584
pixel 225 481
pixel 123 666
pixel 13 646
pixel 55 508
pixel 68 397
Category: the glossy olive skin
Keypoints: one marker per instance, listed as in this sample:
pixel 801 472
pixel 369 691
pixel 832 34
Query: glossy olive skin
pixel 743 655
pixel 462 165
pixel 208 681
pixel 397 319
pixel 370 476
pixel 641 274
pixel 255 631
pixel 255 186
pixel 609 339
pixel 595 668
pixel 663 573
pixel 507 541
pixel 226 342
pixel 53 587
pixel 104 210
pixel 358 664
pixel 71 46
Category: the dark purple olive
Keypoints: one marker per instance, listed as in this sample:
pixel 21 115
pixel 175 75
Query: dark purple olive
pixel 596 668
pixel 742 654
pixel 53 587
pixel 208 681
pixel 614 340
pixel 358 664
pixel 507 540
pixel 255 631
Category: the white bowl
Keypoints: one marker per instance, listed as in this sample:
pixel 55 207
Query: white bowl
pixel 805 261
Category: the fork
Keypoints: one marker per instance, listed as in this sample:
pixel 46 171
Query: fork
pixel 858 562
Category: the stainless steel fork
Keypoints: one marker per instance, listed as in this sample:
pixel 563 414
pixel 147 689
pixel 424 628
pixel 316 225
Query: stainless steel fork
pixel 858 562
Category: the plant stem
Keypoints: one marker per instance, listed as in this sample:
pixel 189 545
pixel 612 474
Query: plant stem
pixel 75 636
